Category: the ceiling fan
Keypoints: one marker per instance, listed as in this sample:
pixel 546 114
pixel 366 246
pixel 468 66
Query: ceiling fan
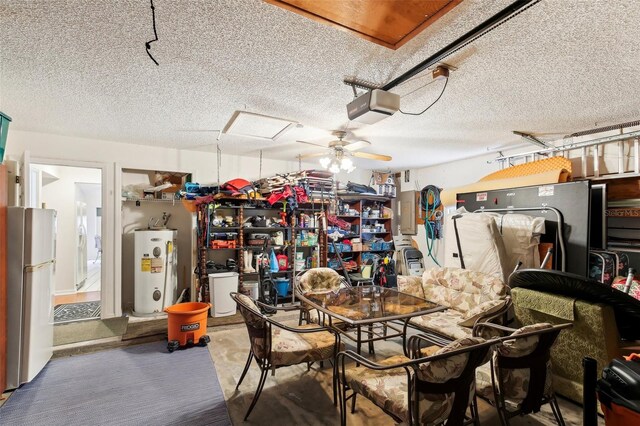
pixel 340 151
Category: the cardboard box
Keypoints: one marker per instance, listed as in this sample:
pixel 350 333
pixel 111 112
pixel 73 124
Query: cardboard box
pixel 168 193
pixel 178 179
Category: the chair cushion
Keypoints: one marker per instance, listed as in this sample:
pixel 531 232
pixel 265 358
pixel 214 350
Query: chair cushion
pixel 523 346
pixel 515 382
pixel 249 302
pixel 388 389
pixel 461 289
pixel 320 279
pixel 443 323
pixel 289 348
pixel 485 308
pixel 484 385
pixel 442 370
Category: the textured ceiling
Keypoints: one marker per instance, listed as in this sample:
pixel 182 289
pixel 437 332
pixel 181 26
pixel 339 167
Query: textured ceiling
pixel 80 68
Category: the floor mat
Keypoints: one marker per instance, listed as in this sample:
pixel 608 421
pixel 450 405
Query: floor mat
pixel 76 311
pixel 136 385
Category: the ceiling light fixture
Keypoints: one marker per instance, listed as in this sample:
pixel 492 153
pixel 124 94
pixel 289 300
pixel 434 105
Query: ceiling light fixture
pixel 325 161
pixel 337 163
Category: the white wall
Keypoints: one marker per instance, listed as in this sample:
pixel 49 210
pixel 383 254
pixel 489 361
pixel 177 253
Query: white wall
pixel 60 196
pixel 115 156
pixel 201 164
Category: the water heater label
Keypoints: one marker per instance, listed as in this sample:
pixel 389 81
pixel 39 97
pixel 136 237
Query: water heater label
pixel 190 327
pixel 156 265
pixel 145 264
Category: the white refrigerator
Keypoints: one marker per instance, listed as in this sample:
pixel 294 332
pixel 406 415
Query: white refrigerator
pixel 31 235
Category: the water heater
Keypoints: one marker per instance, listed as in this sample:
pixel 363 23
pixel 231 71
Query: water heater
pixel 156 275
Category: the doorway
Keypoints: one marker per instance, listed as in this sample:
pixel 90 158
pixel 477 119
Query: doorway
pixel 76 195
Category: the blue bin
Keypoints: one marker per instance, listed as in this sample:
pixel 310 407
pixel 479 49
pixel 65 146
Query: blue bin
pixel 282 286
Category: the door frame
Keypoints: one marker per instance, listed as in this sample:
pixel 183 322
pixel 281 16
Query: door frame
pixel 110 295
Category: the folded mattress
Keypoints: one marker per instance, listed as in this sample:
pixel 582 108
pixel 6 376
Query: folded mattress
pixel 472 241
pixel 521 236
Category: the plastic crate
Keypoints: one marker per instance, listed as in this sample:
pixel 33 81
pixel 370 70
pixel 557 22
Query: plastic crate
pixel 386 245
pixel 376 245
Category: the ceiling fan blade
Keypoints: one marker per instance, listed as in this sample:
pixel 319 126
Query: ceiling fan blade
pixel 314 144
pixel 370 156
pixel 313 155
pixel 357 145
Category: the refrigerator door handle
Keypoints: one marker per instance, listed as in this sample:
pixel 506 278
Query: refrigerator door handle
pixel 32 268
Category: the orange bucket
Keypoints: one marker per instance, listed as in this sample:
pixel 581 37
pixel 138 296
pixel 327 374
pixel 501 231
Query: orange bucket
pixel 187 325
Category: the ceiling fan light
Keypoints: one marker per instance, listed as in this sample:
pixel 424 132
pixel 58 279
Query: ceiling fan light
pixel 325 161
pixel 346 163
pixel 335 168
pixel 350 169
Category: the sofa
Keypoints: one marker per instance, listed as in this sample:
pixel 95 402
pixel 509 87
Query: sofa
pixel 469 296
pixel 594 334
pixel 605 321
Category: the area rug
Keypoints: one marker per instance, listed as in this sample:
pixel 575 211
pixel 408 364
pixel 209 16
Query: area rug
pixel 136 385
pixel 68 312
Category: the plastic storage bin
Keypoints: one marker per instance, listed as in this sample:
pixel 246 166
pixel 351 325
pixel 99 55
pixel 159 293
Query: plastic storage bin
pixel 220 286
pixel 187 325
pixel 252 289
pixel 282 286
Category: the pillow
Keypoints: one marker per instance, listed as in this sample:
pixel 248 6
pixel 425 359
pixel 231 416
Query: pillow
pixel 488 307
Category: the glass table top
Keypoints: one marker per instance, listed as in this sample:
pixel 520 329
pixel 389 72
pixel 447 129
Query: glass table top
pixel 366 304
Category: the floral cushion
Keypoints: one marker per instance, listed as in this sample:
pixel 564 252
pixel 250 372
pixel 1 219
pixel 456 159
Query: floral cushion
pixel 289 348
pixel 514 383
pixel 485 308
pixel 444 323
pixel 441 370
pixel 461 289
pixel 256 325
pixel 410 285
pixel 634 289
pixel 320 279
pixel 249 302
pixel 484 385
pixel 388 389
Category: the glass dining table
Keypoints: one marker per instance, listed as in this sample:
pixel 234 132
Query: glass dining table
pixel 376 309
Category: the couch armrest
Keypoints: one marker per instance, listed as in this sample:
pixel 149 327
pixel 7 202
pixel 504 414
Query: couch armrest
pixel 485 311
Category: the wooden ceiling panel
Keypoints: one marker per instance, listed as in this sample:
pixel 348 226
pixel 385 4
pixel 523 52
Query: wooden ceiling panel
pixel 390 23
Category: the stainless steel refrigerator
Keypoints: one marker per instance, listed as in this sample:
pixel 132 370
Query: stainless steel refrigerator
pixel 31 237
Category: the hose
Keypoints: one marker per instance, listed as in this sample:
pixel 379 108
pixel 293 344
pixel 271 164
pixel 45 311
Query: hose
pixel 430 192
